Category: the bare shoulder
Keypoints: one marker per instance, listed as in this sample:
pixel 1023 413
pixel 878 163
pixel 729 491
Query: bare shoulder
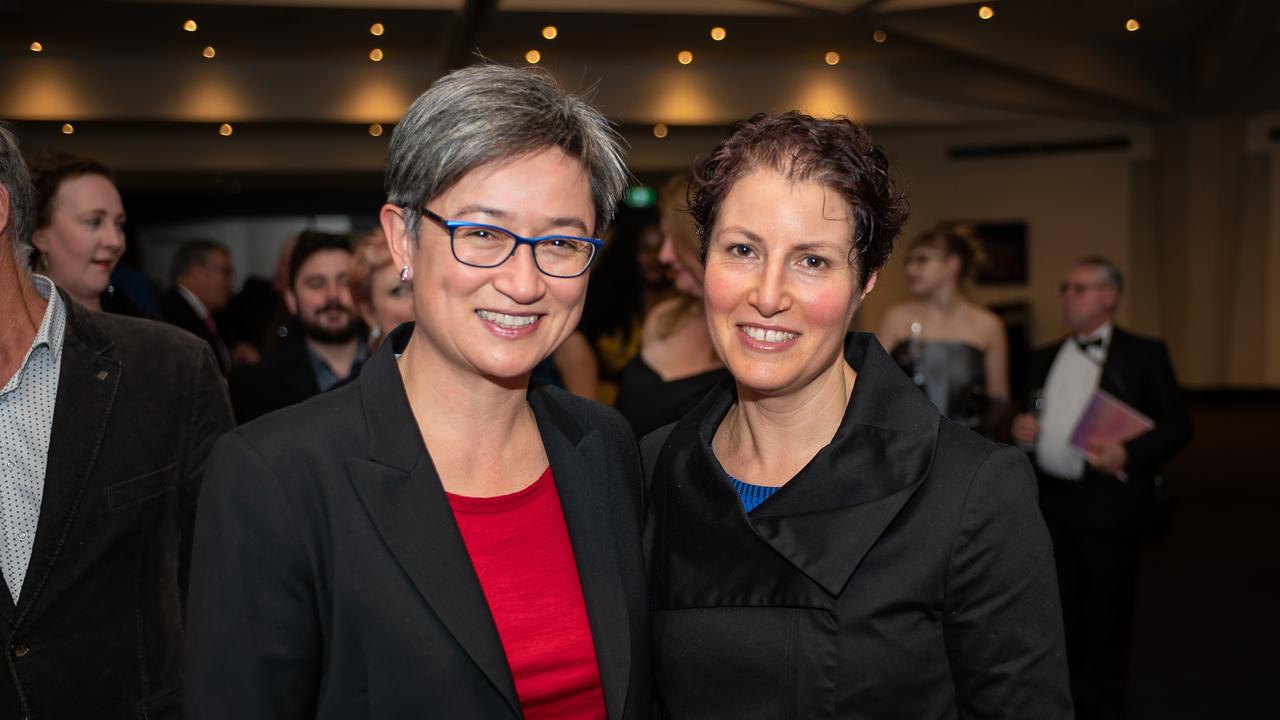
pixel 988 324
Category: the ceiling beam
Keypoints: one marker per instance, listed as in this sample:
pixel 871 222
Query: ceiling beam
pixel 1225 55
pixel 461 50
pixel 1089 74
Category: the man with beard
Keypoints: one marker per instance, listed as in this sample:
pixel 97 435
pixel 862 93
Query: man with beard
pixel 330 350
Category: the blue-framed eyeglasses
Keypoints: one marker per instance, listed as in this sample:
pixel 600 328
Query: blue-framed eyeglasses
pixel 488 246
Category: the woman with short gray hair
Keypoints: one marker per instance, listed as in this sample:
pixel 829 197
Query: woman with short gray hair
pixel 436 538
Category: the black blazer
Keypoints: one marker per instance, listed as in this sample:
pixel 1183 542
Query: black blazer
pixel 905 572
pixel 97 631
pixel 283 378
pixel 1138 371
pixel 175 310
pixel 330 581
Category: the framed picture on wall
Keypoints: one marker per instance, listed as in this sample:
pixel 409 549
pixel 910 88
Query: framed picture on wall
pixel 1005 245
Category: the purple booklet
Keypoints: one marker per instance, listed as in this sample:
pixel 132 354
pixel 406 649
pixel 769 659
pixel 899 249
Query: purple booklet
pixel 1106 420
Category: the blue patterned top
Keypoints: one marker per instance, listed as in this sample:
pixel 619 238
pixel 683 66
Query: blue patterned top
pixel 751 495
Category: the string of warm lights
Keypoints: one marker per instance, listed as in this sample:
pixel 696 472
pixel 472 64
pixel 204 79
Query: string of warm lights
pixel 534 56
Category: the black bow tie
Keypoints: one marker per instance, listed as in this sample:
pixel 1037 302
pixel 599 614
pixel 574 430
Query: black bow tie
pixel 1086 344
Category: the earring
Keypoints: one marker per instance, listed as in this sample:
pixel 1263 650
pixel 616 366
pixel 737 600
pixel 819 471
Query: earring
pixel 404 274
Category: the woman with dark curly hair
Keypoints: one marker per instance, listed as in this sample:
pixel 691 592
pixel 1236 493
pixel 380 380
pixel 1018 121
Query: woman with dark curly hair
pixel 821 543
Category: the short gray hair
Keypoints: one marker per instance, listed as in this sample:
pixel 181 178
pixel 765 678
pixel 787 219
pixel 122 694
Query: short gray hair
pixel 1108 273
pixel 22 196
pixel 485 113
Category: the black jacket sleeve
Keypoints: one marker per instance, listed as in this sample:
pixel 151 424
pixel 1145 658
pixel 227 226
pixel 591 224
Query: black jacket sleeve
pixel 208 417
pixel 1163 401
pixel 253 645
pixel 1003 620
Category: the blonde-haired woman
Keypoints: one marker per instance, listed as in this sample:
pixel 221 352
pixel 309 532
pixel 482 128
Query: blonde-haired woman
pixel 383 299
pixel 953 348
pixel 677 363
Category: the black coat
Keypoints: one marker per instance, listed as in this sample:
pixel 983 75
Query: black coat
pixel 905 572
pixel 330 580
pixel 97 630
pixel 1137 371
pixel 175 310
pixel 283 378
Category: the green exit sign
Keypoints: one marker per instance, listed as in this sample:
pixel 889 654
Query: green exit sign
pixel 639 196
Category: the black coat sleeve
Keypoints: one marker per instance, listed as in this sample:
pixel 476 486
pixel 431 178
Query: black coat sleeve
pixel 1003 621
pixel 208 417
pixel 253 645
pixel 1163 401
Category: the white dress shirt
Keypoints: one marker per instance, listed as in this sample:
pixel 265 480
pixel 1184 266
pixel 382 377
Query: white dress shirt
pixel 1072 380
pixel 26 421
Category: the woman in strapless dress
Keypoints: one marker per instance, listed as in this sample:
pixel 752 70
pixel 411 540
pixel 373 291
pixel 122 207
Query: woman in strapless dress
pixel 677 364
pixel 955 350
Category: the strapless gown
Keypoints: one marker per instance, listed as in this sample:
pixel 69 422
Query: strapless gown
pixel 952 374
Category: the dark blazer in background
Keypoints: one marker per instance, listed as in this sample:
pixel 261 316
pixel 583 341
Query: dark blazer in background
pixel 283 378
pixel 1137 371
pixel 97 630
pixel 175 310
pixel 330 580
pixel 905 572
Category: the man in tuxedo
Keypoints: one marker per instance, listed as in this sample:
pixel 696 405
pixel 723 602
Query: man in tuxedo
pixel 330 350
pixel 201 279
pixel 105 425
pixel 1098 502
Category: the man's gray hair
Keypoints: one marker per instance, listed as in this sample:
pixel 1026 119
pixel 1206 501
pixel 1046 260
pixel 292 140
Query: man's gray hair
pixel 1108 273
pixel 16 178
pixel 193 252
pixel 485 113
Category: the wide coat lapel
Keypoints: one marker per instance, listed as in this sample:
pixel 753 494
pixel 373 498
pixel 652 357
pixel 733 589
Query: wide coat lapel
pixel 824 520
pixel 87 383
pixel 401 492
pixel 586 497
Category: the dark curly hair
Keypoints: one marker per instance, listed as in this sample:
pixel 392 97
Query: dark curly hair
pixel 837 153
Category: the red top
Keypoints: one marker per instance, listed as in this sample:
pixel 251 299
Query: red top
pixel 519 545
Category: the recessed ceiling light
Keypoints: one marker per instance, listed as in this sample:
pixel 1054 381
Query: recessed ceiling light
pixel 684 57
pixel 832 58
pixel 375 129
pixel 986 13
pixel 1132 25
pixel 209 53
pixel 37 47
pixel 533 57
pixel 659 131
pixel 375 54
pixel 376 29
pixel 68 128
pixel 225 130
pixel 550 32
pixel 879 36
pixel 718 33
pixel 189 26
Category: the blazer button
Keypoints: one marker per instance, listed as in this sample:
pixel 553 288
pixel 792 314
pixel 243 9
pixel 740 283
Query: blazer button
pixel 21 650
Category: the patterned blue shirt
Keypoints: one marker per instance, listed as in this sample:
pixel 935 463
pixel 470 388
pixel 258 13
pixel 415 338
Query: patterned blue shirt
pixel 751 495
pixel 26 421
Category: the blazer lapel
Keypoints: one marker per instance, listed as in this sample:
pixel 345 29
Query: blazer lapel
pixel 585 498
pixel 1113 375
pixel 402 494
pixel 87 383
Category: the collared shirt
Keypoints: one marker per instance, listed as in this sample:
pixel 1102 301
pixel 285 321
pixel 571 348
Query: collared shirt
pixel 202 312
pixel 326 378
pixel 26 422
pixel 1073 378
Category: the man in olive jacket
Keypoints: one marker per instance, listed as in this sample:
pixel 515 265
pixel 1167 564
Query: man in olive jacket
pixel 105 424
